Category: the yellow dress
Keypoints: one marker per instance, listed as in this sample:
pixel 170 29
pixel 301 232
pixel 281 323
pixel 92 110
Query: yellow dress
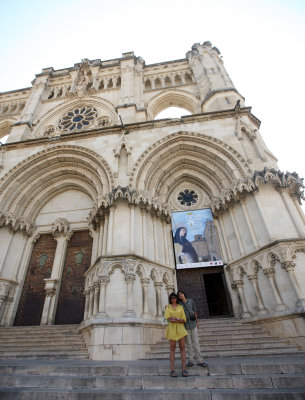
pixel 175 330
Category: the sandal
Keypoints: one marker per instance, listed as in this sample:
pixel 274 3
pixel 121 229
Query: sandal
pixel 190 364
pixel 173 374
pixel 203 364
pixel 185 374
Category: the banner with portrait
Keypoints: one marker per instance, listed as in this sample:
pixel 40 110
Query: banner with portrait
pixel 195 239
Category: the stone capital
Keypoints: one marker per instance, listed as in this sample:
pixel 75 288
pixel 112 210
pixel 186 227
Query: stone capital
pixel 239 284
pixel 145 281
pixel 270 272
pixel 129 278
pixel 158 285
pixel 288 265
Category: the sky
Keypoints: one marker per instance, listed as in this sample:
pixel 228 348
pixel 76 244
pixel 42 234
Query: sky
pixel 262 44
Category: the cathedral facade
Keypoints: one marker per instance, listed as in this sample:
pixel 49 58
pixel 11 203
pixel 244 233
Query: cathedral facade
pixel 89 179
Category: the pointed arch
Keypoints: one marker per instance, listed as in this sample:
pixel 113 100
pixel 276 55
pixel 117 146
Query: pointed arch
pixel 26 188
pixel 173 97
pixel 202 158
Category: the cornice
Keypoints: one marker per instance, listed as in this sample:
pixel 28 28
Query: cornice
pixel 131 127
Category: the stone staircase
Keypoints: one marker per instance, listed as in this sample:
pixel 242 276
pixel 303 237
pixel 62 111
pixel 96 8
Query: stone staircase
pixel 229 337
pixel 55 341
pixel 244 363
pixel 277 378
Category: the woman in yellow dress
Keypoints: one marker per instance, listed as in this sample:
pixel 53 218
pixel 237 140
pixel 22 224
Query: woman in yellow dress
pixel 176 331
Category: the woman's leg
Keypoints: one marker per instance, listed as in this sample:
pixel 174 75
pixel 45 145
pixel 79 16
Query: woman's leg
pixel 172 344
pixel 182 352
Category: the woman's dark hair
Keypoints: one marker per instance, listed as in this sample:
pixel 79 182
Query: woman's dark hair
pixel 171 296
pixel 181 291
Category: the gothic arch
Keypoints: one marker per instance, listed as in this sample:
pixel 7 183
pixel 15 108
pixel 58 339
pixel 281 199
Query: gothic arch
pixel 212 163
pixel 52 116
pixel 34 181
pixel 175 98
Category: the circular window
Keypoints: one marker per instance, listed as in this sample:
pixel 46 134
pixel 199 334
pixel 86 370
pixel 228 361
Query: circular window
pixel 77 119
pixel 187 197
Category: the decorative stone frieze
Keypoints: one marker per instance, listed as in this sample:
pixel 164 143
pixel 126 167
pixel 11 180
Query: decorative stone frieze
pixel 16 223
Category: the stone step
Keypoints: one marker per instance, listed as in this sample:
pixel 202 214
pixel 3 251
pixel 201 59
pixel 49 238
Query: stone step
pixel 267 381
pixel 228 345
pixel 72 354
pixel 151 394
pixel 232 353
pixel 64 340
pixel 253 366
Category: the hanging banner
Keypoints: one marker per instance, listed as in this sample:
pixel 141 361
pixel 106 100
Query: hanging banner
pixel 195 238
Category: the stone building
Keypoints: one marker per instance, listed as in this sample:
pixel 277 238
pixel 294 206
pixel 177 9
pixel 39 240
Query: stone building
pixel 89 178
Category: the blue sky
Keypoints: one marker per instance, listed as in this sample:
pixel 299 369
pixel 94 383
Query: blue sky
pixel 262 43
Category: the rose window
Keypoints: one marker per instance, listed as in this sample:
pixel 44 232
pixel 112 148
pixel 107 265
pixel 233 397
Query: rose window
pixel 77 119
pixel 187 197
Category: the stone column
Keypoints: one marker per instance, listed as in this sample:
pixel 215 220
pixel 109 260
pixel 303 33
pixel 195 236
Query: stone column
pixel 222 243
pixel 95 236
pixel 289 267
pixel 102 303
pixel 91 301
pixel 155 236
pixel 144 230
pixel 236 230
pixel 249 223
pixel 169 289
pixel 158 286
pixel 96 288
pixel 244 307
pixel 4 291
pixel 165 242
pixel 110 231
pixel 263 215
pixel 6 249
pixel 280 306
pixel 299 208
pixel 132 228
pixel 62 234
pixel 106 224
pixel 86 294
pixel 101 237
pixel 130 312
pixel 261 307
pixel 297 221
pixel 46 318
pixel 145 282
pixel 224 234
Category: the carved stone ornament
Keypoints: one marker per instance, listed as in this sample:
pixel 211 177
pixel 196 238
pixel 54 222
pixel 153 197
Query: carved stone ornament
pixel 61 225
pixel 16 223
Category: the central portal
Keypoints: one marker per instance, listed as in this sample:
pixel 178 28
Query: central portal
pixel 207 287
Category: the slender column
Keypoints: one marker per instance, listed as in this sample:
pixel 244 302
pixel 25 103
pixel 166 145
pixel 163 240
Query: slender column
pixel 240 287
pixel 130 312
pixel 289 267
pixel 91 301
pixel 4 291
pixel 21 256
pixel 299 208
pixel 236 230
pixel 165 242
pixel 261 307
pixel 169 289
pixel 263 216
pixel 106 224
pixel 100 241
pixel 170 248
pixel 110 231
pixel 222 243
pixel 249 224
pixel 102 303
pixel 145 282
pixel 298 223
pixel 280 306
pixel 50 292
pixel 86 293
pixel 132 226
pixel 6 249
pixel 224 234
pixel 156 255
pixel 158 286
pixel 95 236
pixel 144 230
pixel 96 289
pixel 49 308
pixel 5 313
